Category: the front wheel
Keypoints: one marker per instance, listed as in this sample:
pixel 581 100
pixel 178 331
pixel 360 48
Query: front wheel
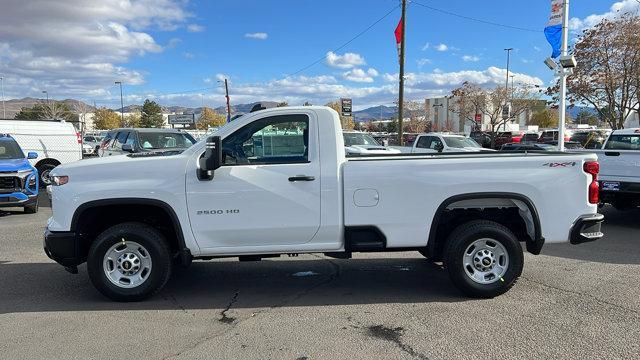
pixel 484 259
pixel 45 173
pixel 129 262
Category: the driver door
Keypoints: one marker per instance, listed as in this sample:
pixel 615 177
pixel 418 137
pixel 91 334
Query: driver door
pixel 266 193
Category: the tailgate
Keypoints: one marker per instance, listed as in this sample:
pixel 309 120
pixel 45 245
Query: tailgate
pixel 622 165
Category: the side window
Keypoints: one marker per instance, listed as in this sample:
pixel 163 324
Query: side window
pixel 131 139
pixel 423 142
pixel 623 142
pixel 274 140
pixel 435 143
pixel 121 138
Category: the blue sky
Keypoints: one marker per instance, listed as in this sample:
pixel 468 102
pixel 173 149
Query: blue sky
pixel 175 51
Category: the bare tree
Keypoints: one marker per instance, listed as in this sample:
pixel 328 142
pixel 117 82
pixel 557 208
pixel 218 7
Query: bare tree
pixel 608 73
pixel 82 109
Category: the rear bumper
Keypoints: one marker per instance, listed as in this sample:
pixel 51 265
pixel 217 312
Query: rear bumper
pixel 62 247
pixel 17 199
pixel 586 228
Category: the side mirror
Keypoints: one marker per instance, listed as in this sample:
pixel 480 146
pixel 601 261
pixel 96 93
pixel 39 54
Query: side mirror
pixel 211 159
pixel 127 148
pixel 32 155
pixel 439 148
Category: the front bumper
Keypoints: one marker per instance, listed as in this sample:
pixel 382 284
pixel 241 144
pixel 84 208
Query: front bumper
pixel 17 199
pixel 62 247
pixel 586 228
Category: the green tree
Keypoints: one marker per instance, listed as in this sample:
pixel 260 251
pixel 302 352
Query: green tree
pixel 132 120
pixel 547 118
pixel 105 119
pixel 282 104
pixel 210 118
pixel 151 115
pixel 53 110
pixel 392 126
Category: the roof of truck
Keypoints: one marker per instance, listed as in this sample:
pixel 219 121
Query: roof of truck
pixel 629 131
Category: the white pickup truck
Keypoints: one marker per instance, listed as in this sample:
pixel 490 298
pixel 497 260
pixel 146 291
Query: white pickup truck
pixel 439 143
pixel 620 169
pixel 277 181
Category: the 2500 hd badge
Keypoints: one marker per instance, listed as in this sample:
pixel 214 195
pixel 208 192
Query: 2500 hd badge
pixel 218 212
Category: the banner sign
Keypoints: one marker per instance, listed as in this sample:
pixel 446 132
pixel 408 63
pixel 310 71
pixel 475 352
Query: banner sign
pixel 553 30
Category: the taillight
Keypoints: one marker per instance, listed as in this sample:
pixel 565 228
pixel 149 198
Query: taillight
pixel 593 168
pixel 79 137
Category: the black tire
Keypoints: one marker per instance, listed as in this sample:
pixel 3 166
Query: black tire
pixel 458 242
pixel 43 172
pixel 31 208
pixel 154 243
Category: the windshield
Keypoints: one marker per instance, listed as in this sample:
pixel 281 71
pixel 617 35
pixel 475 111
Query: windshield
pixel 623 142
pixel 460 142
pixel 10 150
pixel 160 140
pixel 351 139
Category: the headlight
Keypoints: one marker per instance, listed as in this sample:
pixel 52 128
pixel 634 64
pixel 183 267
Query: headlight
pixel 59 180
pixel 32 181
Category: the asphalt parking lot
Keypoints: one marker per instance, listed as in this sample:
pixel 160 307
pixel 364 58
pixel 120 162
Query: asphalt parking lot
pixel 572 302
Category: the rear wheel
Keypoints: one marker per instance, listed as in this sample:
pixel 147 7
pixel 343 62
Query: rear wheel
pixel 129 262
pixel 45 173
pixel 484 259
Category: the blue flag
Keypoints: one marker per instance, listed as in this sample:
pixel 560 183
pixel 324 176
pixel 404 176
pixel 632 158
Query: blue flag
pixel 553 30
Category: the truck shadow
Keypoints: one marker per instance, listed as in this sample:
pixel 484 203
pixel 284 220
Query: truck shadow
pixel 36 287
pixel 620 244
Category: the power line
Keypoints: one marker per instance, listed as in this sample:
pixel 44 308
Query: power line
pixel 346 43
pixel 486 22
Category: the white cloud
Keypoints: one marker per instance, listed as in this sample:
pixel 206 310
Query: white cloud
pixel 189 56
pixel 426 47
pixel 359 75
pixel 195 28
pixel 173 42
pixel 442 47
pixel 345 61
pixel 470 58
pixel 537 48
pixel 257 36
pixel 75 47
pixel 422 62
pixel 619 7
pixel 389 77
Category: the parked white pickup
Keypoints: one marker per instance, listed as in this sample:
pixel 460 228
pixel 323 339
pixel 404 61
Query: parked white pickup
pixel 277 181
pixel 437 143
pixel 620 169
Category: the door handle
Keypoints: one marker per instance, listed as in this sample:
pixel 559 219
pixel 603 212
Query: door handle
pixel 301 178
pixel 612 153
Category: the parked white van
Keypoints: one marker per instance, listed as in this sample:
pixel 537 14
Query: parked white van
pixel 56 142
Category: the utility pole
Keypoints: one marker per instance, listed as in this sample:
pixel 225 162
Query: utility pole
pixel 401 88
pixel 226 91
pixel 506 85
pixel 563 76
pixel 121 102
pixel 4 111
pixel 47 93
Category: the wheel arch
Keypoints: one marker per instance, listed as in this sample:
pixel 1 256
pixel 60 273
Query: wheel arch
pixel 104 205
pixel 47 161
pixel 535 240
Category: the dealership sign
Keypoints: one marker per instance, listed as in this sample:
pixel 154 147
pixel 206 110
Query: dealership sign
pixel 346 106
pixel 182 119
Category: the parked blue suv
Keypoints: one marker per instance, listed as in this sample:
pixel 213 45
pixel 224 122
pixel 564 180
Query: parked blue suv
pixel 18 179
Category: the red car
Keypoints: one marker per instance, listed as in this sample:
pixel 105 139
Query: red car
pixel 507 137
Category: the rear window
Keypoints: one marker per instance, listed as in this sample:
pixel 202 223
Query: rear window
pixel 623 142
pixel 161 140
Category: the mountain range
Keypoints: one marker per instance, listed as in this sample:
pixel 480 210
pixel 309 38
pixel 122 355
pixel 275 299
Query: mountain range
pixel 373 113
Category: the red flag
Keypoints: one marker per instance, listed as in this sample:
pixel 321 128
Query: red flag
pixel 398 33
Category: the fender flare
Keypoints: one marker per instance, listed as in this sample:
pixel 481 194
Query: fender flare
pixel 534 245
pixel 182 247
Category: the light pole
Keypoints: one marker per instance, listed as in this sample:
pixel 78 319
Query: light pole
pixel 45 92
pixel 563 75
pixel 121 102
pixel 4 111
pixel 506 85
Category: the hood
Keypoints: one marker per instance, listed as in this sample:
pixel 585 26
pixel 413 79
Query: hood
pixel 11 165
pixel 370 149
